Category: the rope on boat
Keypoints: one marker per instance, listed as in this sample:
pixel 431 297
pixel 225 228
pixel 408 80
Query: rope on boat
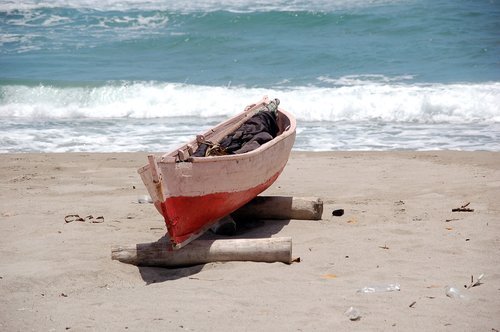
pixel 213 149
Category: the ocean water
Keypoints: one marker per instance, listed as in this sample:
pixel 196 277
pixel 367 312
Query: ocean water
pixel 138 75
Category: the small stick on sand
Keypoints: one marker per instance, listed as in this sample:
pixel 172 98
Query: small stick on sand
pixel 463 208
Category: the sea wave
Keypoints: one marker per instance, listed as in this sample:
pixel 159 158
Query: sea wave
pixel 194 6
pixel 389 102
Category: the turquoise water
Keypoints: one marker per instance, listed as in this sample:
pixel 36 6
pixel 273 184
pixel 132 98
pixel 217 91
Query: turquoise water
pixel 358 75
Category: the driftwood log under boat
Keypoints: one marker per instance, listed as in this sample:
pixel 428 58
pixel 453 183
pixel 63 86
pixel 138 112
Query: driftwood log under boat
pixel 268 250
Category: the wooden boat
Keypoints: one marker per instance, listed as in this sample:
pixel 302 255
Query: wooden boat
pixel 193 193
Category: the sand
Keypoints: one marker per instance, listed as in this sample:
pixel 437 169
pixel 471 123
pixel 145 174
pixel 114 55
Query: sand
pixel 397 228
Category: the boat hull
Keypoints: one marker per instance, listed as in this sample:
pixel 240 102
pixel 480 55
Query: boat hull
pixel 192 195
pixel 187 216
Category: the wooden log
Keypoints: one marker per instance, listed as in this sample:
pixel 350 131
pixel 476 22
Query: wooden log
pixel 281 207
pixel 205 251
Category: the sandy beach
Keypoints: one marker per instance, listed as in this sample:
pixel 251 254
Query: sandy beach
pixel 398 227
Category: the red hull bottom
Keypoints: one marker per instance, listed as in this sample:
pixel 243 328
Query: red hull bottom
pixel 187 217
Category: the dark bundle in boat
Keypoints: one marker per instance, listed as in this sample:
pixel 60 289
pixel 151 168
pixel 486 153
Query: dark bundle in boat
pixel 262 127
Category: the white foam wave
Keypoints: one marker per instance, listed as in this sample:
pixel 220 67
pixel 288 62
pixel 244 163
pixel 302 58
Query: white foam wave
pixel 368 79
pixel 11 38
pixel 456 103
pixel 193 6
pixel 37 18
pixel 88 29
pixel 436 103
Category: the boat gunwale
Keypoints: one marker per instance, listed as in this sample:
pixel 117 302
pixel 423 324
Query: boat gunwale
pixel 286 133
pixel 170 158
